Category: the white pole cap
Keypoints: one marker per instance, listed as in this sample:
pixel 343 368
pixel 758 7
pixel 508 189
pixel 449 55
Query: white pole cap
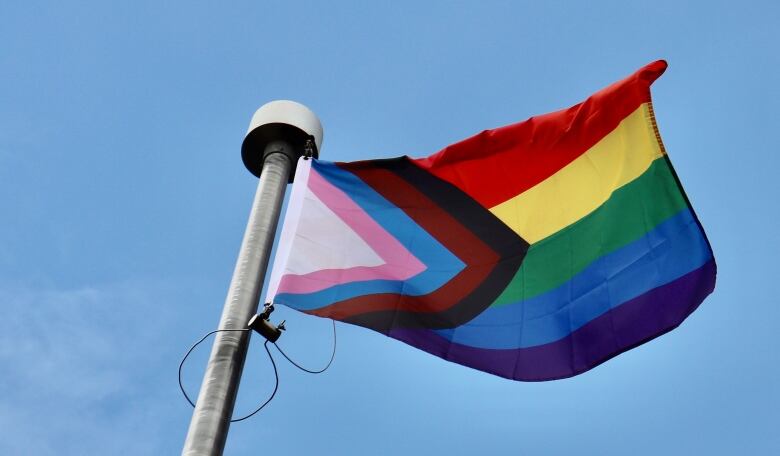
pixel 280 120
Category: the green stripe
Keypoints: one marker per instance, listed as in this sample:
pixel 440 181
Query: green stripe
pixel 628 214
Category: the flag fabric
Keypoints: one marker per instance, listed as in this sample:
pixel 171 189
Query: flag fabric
pixel 534 251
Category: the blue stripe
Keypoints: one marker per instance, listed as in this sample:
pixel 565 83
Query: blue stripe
pixel 671 250
pixel 441 264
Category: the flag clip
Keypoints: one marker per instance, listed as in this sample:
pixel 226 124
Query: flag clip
pixel 308 149
pixel 260 324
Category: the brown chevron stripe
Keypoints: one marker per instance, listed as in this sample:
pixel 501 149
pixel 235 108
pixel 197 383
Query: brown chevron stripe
pixel 491 251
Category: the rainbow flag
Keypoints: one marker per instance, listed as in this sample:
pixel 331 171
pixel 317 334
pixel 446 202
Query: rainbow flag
pixel 534 251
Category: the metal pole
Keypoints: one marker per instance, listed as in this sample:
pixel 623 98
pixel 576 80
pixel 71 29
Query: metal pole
pixel 279 133
pixel 211 419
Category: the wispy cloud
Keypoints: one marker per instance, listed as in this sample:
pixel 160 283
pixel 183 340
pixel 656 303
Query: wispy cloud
pixel 77 371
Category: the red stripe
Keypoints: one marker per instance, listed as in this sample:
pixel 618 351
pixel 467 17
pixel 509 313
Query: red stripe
pixel 496 165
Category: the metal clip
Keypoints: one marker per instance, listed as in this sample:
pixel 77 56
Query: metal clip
pixel 308 149
pixel 261 325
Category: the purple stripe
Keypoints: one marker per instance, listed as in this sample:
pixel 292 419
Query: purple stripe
pixel 633 323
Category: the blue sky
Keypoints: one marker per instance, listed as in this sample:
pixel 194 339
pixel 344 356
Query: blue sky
pixel 124 201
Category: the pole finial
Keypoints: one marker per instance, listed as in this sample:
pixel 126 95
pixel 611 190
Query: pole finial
pixel 285 121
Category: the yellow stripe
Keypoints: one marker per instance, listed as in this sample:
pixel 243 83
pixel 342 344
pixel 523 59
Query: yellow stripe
pixel 586 183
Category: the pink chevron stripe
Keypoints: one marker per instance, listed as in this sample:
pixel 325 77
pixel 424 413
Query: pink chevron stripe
pixel 400 263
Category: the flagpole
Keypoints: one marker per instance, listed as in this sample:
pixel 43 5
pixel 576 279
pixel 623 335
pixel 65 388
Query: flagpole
pixel 279 133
